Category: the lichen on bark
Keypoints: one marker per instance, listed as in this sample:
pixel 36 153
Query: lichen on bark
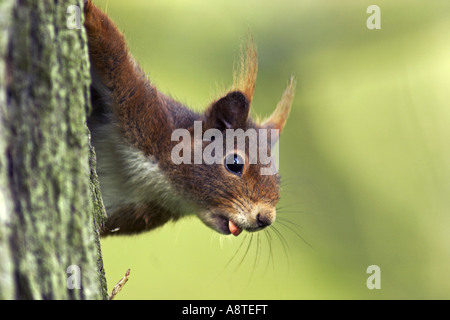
pixel 52 205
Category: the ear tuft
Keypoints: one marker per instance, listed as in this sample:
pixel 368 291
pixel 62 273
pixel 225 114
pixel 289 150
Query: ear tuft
pixel 279 117
pixel 229 112
pixel 246 70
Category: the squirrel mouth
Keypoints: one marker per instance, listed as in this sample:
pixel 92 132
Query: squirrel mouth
pixel 234 229
pixel 226 226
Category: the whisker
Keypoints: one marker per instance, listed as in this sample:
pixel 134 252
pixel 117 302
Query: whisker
pixel 290 212
pixel 246 251
pixel 287 183
pixel 284 244
pixel 293 178
pixel 269 241
pixel 227 195
pixel 258 250
pixel 288 221
pixel 298 208
pixel 232 257
pixel 291 204
pixel 258 244
pixel 236 252
pixel 283 223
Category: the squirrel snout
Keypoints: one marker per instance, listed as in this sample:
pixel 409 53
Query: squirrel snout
pixel 263 220
pixel 265 216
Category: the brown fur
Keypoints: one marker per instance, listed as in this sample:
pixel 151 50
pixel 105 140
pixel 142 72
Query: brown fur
pixel 147 118
pixel 138 219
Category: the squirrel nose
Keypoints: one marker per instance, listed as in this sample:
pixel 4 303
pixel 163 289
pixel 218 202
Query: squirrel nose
pixel 263 220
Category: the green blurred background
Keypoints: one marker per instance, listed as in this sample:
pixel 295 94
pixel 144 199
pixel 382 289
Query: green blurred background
pixel 364 156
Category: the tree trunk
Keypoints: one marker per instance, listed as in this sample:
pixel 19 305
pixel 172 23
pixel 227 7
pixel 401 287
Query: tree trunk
pixel 50 205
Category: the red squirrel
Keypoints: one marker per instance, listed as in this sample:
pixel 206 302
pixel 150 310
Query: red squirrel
pixel 132 125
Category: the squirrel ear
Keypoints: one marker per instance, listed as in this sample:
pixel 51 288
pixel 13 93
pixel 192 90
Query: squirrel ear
pixel 278 118
pixel 229 112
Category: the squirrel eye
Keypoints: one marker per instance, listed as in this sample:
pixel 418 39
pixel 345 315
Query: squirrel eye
pixel 234 163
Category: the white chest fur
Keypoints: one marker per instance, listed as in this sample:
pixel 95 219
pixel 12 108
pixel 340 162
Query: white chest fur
pixel 127 176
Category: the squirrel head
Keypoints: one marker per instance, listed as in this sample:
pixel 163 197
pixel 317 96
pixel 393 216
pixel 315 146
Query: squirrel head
pixel 229 172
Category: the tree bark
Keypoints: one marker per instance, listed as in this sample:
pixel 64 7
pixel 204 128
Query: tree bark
pixel 50 204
